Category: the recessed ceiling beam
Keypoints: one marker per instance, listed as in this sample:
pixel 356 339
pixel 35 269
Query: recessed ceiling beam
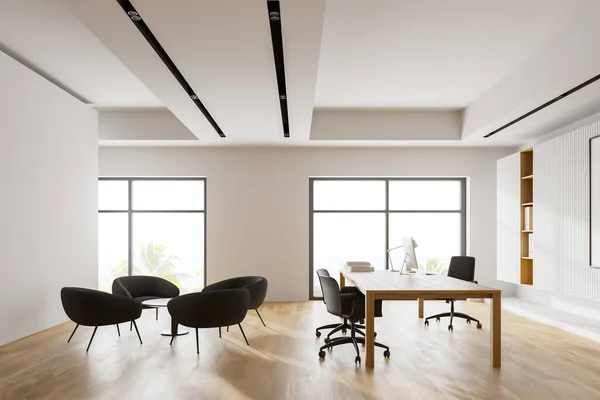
pixel 139 23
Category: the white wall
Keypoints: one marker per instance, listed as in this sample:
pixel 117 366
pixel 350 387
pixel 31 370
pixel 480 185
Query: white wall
pixel 257 200
pixel 48 200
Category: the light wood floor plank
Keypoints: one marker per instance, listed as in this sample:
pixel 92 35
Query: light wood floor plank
pixel 538 361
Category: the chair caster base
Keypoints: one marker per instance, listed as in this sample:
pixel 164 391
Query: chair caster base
pixel 318 334
pixel 321 354
pixel 479 326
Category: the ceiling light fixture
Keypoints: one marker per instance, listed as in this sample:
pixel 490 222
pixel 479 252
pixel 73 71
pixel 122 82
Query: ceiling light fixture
pixel 546 104
pixel 134 16
pixel 277 41
pixel 162 54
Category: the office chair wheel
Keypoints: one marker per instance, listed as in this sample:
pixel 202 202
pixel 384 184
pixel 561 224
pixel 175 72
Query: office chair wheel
pixel 327 340
pixel 468 321
pixel 318 334
pixel 322 354
pixel 357 359
pixel 437 319
pixel 450 328
pixel 426 323
pixel 343 331
pixel 374 334
pixel 386 354
pixel 479 326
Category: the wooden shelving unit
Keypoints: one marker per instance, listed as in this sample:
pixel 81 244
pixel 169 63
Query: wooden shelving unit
pixel 526 216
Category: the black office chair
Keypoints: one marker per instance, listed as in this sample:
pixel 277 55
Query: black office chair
pixel 463 268
pixel 350 306
pixel 344 326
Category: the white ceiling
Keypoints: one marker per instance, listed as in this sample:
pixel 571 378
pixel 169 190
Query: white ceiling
pixel 430 53
pixel 45 35
pixel 405 57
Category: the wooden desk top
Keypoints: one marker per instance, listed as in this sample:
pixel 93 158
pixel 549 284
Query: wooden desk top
pixel 394 285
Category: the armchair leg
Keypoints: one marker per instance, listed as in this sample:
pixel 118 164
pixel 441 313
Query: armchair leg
pixel 92 338
pixel 118 330
pixel 131 326
pixel 261 320
pixel 241 329
pixel 138 332
pixel 171 342
pixel 157 313
pixel 76 326
pixel 197 343
pixel 219 332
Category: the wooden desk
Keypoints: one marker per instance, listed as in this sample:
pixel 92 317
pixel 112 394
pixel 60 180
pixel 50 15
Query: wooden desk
pixel 388 285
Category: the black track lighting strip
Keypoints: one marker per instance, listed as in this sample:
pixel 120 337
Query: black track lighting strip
pixel 277 40
pixel 546 104
pixel 137 20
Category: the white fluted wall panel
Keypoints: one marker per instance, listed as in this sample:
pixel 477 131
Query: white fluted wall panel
pixel 561 201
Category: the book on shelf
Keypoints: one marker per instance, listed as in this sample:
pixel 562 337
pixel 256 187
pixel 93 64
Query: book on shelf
pixel 359 266
pixel 527 218
pixel 530 245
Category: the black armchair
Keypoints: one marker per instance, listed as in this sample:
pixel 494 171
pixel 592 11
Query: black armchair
pixel 350 306
pixel 256 286
pixel 463 268
pixel 89 307
pixel 212 309
pixel 142 288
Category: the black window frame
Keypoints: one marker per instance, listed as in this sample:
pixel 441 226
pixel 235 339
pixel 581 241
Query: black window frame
pixel 311 211
pixel 130 211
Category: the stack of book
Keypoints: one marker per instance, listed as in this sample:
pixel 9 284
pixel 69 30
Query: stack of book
pixel 359 266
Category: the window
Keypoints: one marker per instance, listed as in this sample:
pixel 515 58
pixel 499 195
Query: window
pixel 152 226
pixel 358 219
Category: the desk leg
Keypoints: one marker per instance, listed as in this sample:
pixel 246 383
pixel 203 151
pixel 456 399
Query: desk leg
pixel 342 280
pixel 495 331
pixel 370 329
pixel 421 307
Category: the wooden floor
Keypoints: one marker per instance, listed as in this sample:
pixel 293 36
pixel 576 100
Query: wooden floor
pixel 539 362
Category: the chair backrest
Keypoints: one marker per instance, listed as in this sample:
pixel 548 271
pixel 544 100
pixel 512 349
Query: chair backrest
pixel 256 285
pixel 143 285
pixel 331 295
pixel 95 308
pixel 462 267
pixel 210 309
pixel 322 272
